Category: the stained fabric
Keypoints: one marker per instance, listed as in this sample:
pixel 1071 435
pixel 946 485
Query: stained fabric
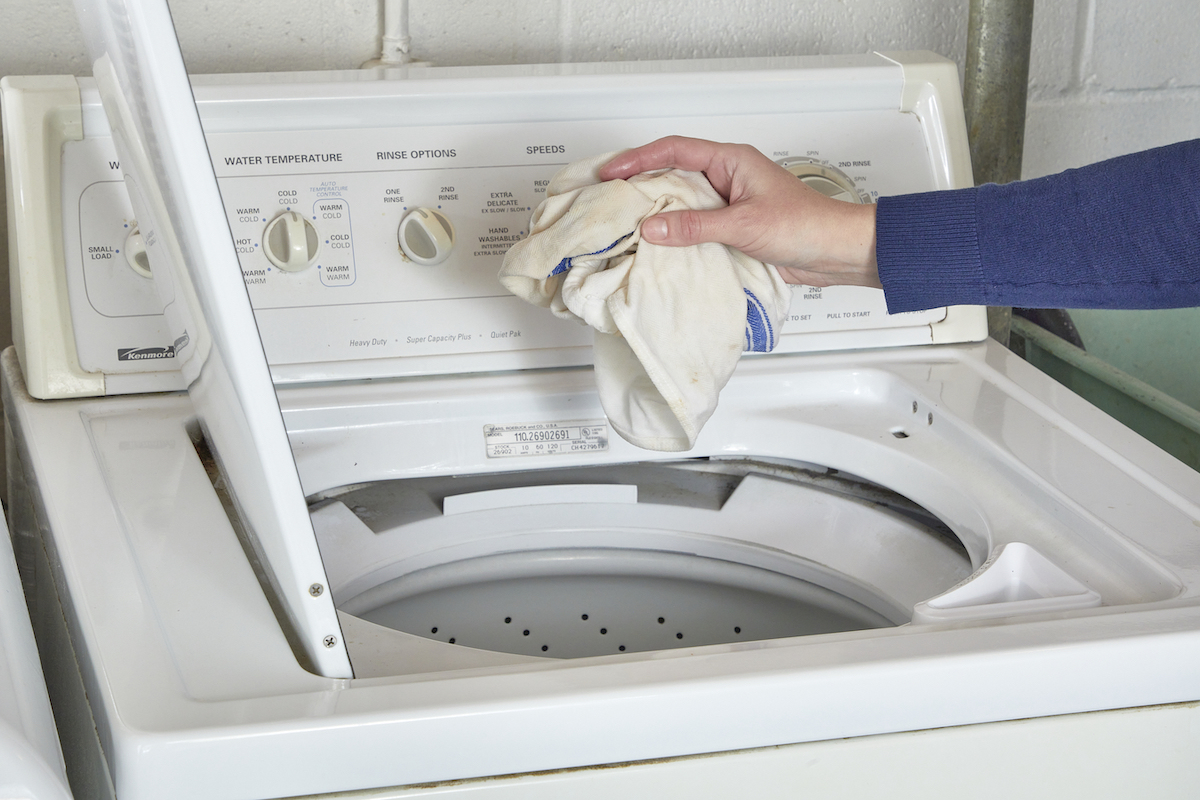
pixel 671 322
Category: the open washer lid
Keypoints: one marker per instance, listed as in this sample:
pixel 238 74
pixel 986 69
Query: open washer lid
pixel 165 162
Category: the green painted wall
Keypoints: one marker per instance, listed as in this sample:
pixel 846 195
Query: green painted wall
pixel 1161 348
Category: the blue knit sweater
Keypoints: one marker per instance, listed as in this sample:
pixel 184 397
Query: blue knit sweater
pixel 1123 233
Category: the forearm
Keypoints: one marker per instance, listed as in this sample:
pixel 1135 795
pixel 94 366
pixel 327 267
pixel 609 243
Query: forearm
pixel 1121 233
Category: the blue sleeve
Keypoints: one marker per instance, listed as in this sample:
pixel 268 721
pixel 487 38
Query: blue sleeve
pixel 1123 233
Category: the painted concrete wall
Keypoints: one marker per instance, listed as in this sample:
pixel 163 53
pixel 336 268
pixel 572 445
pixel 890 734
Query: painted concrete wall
pixel 1107 76
pixel 1160 347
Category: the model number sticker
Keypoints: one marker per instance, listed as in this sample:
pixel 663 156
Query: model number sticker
pixel 545 438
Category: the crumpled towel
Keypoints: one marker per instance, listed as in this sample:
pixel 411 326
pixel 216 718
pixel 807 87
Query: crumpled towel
pixel 671 322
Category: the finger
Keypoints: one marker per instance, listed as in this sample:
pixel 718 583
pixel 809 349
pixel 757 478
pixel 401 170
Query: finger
pixel 681 228
pixel 672 151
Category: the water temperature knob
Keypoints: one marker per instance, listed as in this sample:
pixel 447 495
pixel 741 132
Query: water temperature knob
pixel 426 236
pixel 291 242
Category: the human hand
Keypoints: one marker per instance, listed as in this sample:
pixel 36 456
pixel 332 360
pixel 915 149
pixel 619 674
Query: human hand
pixel 772 216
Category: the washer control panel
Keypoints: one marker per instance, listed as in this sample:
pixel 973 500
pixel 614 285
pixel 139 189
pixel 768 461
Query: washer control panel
pixel 372 252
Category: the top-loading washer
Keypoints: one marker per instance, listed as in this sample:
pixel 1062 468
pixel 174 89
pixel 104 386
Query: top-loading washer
pixel 898 559
pixel 31 762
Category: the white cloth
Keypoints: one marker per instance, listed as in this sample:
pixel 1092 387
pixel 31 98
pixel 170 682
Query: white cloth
pixel 671 322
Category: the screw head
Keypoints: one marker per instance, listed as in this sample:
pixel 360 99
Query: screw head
pixel 316 590
pixel 330 640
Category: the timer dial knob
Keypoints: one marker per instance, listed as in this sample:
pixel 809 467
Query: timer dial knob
pixel 291 242
pixel 426 236
pixel 825 179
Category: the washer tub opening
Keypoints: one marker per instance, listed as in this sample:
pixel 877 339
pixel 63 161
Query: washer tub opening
pixel 569 564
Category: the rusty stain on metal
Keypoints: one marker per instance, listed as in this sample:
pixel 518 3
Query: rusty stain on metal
pixel 999 33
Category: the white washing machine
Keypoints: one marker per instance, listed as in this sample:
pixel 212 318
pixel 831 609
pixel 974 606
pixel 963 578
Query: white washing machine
pixel 395 551
pixel 31 762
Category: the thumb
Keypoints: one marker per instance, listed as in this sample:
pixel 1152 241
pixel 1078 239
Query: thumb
pixel 681 228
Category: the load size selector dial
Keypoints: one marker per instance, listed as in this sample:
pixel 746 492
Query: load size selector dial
pixel 825 179
pixel 135 253
pixel 291 242
pixel 426 236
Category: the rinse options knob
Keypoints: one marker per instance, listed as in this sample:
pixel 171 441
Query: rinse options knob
pixel 290 242
pixel 426 236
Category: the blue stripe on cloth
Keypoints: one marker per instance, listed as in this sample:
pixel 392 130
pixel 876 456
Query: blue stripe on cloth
pixel 566 263
pixel 760 336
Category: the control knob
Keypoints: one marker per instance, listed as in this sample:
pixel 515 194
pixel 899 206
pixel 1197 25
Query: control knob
pixel 426 236
pixel 135 253
pixel 290 242
pixel 825 179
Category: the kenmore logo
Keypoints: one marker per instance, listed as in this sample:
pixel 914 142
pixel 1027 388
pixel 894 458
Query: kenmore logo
pixel 144 353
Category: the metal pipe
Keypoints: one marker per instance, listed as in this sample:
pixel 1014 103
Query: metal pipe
pixel 396 41
pixel 999 34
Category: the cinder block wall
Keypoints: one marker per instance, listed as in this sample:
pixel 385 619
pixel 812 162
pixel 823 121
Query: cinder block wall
pixel 1107 76
pixel 1110 77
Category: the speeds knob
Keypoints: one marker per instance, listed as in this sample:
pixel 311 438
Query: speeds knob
pixel 426 236
pixel 826 180
pixel 291 242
